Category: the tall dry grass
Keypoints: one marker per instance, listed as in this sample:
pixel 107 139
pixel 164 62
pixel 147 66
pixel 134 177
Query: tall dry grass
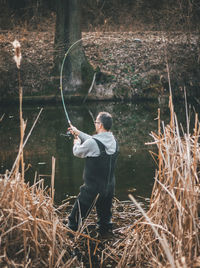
pixel 32 233
pixel 168 234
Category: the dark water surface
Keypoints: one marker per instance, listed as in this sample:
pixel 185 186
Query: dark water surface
pixel 132 124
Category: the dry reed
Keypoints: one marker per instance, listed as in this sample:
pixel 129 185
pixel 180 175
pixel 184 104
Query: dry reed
pixel 2 117
pixel 28 225
pixel 168 234
pixel 32 233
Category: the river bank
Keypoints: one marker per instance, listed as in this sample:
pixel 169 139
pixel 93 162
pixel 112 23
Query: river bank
pixel 128 65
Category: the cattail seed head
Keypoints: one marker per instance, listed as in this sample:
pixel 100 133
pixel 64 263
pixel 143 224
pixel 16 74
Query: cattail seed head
pixel 17 50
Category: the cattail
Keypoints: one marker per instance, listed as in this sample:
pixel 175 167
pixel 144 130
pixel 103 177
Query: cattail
pixel 18 55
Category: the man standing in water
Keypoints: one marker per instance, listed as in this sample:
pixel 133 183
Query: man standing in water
pixel 100 152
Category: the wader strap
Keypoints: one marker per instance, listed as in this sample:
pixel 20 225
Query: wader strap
pixel 102 146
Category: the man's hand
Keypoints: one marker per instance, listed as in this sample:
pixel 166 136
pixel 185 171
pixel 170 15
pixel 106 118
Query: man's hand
pixel 75 132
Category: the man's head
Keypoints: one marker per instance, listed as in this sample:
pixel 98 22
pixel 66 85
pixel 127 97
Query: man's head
pixel 103 122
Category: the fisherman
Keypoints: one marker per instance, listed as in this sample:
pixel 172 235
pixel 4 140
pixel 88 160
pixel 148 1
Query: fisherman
pixel 100 152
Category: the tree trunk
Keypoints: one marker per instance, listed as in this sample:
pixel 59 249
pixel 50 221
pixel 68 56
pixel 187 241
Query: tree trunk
pixel 77 72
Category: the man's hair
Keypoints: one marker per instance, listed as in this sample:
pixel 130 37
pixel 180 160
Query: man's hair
pixel 106 120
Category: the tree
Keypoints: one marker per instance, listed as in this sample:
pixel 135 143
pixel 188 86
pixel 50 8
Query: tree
pixel 77 72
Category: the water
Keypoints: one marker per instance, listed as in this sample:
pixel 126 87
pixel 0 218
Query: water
pixel 132 124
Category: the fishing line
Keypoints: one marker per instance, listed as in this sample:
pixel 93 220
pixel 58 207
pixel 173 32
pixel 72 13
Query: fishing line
pixel 61 74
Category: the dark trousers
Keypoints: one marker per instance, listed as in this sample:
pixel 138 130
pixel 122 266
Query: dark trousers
pixel 85 202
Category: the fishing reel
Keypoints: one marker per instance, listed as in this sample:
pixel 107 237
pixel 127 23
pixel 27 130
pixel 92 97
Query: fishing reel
pixel 67 135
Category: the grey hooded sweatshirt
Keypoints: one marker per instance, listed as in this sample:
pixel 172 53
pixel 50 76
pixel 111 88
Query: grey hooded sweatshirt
pixel 87 146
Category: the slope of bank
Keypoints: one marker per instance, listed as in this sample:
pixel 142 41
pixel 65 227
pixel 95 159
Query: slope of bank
pixel 128 64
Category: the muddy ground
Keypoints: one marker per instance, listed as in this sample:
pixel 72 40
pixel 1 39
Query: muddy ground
pixel 129 64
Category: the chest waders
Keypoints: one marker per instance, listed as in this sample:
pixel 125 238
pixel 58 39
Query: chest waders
pixel 99 184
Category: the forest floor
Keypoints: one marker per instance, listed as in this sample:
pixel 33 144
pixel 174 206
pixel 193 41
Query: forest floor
pixel 135 63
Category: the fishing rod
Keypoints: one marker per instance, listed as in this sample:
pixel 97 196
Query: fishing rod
pixel 68 134
pixel 61 78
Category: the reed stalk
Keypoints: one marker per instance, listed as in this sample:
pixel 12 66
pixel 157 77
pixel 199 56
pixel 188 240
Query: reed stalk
pixel 1 118
pixel 53 178
pixel 17 58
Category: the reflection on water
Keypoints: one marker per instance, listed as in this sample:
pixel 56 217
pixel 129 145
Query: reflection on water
pixel 132 125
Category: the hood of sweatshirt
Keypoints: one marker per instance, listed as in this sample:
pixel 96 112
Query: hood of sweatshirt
pixel 108 141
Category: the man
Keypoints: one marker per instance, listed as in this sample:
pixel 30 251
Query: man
pixel 100 151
